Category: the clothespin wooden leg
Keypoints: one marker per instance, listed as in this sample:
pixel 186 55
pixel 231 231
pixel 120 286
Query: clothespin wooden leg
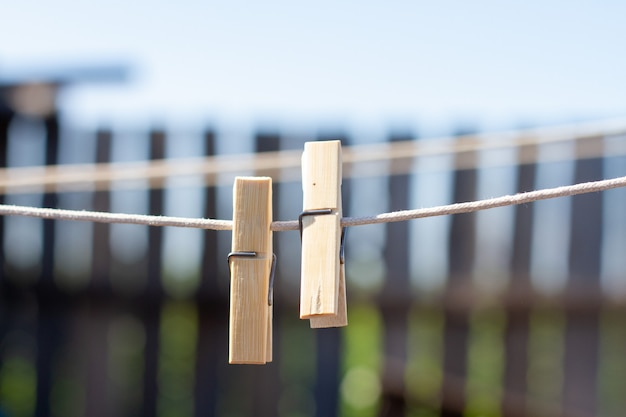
pixel 251 265
pixel 341 318
pixel 322 296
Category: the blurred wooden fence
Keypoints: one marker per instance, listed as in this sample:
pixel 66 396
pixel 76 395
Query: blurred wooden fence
pixel 511 312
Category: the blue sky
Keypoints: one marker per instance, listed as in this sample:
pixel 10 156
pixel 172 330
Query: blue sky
pixel 361 63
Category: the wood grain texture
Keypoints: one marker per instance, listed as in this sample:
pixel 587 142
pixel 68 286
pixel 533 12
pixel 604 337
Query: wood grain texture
pixel 250 315
pixel 321 234
pixel 321 175
pixel 341 318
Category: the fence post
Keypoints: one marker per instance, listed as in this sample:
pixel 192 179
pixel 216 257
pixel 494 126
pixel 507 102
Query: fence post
pixel 5 123
pixel 582 325
pixel 519 292
pixel 97 388
pixel 395 297
pixel 461 264
pixel 212 342
pixel 50 199
pixel 6 313
pixel 49 322
pixel 153 292
pixel 101 260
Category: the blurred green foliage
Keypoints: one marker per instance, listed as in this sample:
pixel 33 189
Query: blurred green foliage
pixel 17 386
pixel 177 359
pixel 362 360
pixel 425 357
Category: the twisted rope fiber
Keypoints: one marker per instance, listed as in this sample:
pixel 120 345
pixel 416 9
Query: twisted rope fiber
pixel 507 200
pixel 102 217
pixel 280 226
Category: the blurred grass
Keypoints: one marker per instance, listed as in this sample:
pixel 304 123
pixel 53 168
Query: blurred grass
pixel 17 386
pixel 361 362
pixel 545 358
pixel 127 341
pixel 362 359
pixel 177 359
pixel 424 368
pixel 485 363
pixel 67 398
pixel 612 364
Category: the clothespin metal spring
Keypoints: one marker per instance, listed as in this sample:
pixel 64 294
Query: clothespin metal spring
pixel 252 254
pixel 318 212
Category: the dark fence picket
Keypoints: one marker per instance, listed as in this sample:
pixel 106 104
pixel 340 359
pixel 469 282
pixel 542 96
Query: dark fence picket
pixel 101 201
pixel 461 263
pixel 326 390
pixel 582 324
pixel 97 395
pixel 50 317
pixel 7 313
pixel 519 289
pixel 153 301
pixel 395 295
pixel 5 122
pixel 212 340
pixel 50 199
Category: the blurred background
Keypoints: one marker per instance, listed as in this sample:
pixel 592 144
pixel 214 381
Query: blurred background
pixel 510 312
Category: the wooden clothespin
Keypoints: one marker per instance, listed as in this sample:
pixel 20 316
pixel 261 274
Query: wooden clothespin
pixel 323 288
pixel 251 265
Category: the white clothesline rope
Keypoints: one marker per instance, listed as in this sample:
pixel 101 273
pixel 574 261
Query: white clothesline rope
pixel 280 226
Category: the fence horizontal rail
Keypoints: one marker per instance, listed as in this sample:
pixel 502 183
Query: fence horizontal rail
pixel 284 166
